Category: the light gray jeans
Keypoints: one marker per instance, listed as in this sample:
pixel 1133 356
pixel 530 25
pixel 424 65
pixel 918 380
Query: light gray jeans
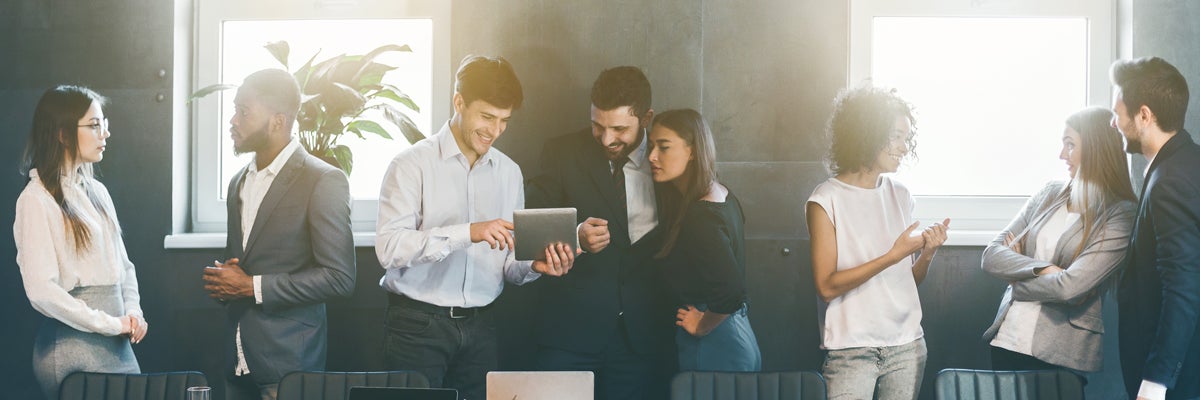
pixel 875 372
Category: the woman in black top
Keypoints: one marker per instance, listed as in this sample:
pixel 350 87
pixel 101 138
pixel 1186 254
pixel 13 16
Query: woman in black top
pixel 704 251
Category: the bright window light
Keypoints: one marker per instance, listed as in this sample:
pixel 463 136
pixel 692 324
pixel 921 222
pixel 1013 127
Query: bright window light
pixel 991 95
pixel 242 53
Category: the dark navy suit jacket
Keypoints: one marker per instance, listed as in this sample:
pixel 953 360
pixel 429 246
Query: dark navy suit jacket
pixel 1159 292
pixel 580 309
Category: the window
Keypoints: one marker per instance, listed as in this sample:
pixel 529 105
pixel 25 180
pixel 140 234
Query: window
pixel 229 39
pixel 992 83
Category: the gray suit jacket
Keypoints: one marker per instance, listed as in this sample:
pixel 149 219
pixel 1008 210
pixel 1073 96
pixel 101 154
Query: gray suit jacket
pixel 302 246
pixel 1069 329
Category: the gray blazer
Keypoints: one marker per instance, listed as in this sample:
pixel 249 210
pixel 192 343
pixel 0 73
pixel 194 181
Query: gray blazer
pixel 301 243
pixel 1069 329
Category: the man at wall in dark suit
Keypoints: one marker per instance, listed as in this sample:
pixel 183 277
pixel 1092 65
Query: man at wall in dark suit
pixel 289 247
pixel 1159 293
pixel 445 212
pixel 608 315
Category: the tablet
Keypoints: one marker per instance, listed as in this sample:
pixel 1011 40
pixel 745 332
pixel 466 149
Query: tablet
pixel 536 228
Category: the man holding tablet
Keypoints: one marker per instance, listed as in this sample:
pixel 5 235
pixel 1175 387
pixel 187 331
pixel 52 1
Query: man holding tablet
pixel 444 237
pixel 609 316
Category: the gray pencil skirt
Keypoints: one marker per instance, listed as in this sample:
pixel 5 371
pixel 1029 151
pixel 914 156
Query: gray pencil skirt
pixel 60 350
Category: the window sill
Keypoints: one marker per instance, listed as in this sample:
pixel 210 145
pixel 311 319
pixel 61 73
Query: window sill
pixel 217 240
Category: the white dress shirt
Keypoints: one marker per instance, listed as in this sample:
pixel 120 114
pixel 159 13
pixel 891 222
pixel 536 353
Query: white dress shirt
pixel 639 193
pixel 51 266
pixel 255 184
pixel 428 200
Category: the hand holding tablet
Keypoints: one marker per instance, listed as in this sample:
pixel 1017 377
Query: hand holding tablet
pixel 540 227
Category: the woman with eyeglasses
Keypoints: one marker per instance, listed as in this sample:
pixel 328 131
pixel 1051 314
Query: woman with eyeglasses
pixel 1059 254
pixel 69 248
pixel 704 254
pixel 868 254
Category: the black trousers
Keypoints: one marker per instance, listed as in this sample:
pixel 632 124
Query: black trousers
pixel 1007 360
pixel 452 351
pixel 620 373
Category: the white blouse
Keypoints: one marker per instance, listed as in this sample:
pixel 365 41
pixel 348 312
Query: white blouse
pixel 50 265
pixel 885 310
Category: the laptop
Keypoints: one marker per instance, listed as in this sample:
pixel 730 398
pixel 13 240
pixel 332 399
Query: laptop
pixel 540 385
pixel 386 393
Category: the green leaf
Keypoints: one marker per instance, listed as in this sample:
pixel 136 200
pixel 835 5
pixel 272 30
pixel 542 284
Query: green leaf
pixel 398 96
pixel 398 118
pixel 280 51
pixel 341 100
pixel 303 73
pixel 367 59
pixel 372 74
pixel 320 71
pixel 344 157
pixel 355 130
pixel 369 126
pixel 210 89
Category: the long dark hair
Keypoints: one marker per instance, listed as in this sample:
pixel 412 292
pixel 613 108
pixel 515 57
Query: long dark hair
pixel 53 148
pixel 1103 177
pixel 701 171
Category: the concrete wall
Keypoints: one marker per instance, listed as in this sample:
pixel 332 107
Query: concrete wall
pixel 763 72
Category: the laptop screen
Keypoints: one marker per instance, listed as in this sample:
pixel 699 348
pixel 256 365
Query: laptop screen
pixel 384 393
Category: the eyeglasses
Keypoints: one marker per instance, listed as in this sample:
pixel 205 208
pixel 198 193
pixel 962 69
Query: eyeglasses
pixel 98 125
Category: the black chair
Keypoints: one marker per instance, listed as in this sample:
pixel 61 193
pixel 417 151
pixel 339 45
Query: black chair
pixel 324 385
pixel 969 384
pixel 792 385
pixel 157 386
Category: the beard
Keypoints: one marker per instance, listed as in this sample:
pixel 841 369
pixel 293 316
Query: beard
pixel 251 141
pixel 1133 143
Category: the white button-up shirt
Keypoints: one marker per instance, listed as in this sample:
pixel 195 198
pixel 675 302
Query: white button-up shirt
pixel 639 193
pixel 429 198
pixel 51 266
pixel 255 184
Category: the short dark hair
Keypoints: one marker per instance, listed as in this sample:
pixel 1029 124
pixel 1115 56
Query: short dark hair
pixel 861 126
pixel 276 89
pixel 490 79
pixel 1156 84
pixel 622 86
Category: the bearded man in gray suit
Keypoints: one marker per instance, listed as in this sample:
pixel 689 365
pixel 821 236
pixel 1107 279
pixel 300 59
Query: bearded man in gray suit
pixel 289 247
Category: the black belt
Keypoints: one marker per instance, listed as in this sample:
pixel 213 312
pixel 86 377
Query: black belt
pixel 452 312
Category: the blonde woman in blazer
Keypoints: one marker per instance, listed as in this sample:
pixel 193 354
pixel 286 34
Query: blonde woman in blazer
pixel 1059 254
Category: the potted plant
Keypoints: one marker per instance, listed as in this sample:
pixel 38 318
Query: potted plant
pixel 335 93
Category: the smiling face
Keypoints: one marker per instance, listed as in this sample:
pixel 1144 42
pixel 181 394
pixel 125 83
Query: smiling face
pixel 479 125
pixel 93 132
pixel 669 154
pixel 889 158
pixel 1072 150
pixel 617 130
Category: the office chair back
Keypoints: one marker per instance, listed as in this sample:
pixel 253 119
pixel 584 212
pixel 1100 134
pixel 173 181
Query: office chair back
pixel 967 384
pixel 157 386
pixel 791 385
pixel 325 385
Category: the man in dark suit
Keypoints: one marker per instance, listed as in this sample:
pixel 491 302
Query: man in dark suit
pixel 289 247
pixel 1159 293
pixel 608 315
